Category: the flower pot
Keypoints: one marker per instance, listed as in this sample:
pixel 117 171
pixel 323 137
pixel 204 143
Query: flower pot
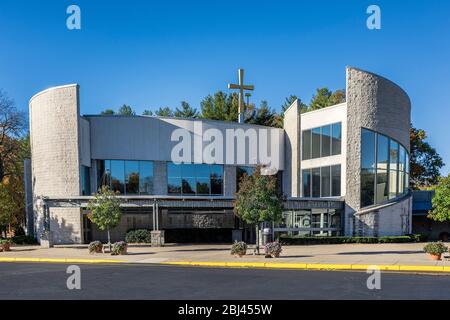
pixel 275 255
pixel 241 254
pixel 6 247
pixel 435 256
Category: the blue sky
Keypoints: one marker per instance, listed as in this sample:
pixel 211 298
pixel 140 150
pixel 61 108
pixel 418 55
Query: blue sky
pixel 157 53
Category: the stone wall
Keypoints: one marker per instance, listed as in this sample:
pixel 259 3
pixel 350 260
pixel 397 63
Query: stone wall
pixel 55 141
pixel 375 103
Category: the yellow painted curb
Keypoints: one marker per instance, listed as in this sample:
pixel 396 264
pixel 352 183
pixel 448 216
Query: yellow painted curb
pixel 59 260
pixel 312 266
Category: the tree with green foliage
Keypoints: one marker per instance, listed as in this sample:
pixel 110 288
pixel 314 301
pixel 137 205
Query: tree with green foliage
pixel 425 162
pixel 186 111
pixel 325 98
pixel 220 106
pixel 126 110
pixel 441 201
pixel 264 115
pixel 279 118
pixel 147 112
pixel 258 200
pixel 164 112
pixel 107 112
pixel 105 210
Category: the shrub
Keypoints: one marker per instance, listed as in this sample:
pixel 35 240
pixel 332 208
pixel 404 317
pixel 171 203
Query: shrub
pixel 5 244
pixel 23 240
pixel 273 249
pixel 119 248
pixel 95 247
pixel 138 236
pixel 239 248
pixel 435 248
pixel 296 240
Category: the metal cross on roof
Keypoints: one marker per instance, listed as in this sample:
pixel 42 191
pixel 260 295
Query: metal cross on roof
pixel 241 87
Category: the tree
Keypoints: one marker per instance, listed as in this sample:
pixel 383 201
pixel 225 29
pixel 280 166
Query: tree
pixel 12 127
pixel 325 98
pixel 258 200
pixel 425 162
pixel 220 107
pixel 164 112
pixel 264 115
pixel 147 113
pixel 126 110
pixel 441 201
pixel 186 111
pixel 107 112
pixel 105 210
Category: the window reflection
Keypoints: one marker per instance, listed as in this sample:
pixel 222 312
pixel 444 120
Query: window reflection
pixel 194 179
pixel 388 176
pixel 322 182
pixel 322 141
pixel 126 177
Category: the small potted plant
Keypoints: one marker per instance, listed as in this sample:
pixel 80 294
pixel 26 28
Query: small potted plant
pixel 5 245
pixel 95 247
pixel 435 249
pixel 239 248
pixel 273 249
pixel 119 248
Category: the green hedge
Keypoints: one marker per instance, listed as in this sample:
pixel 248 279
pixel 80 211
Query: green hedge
pixel 23 240
pixel 296 240
pixel 138 236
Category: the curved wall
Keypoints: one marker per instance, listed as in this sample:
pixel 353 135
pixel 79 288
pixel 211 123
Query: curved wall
pixel 375 103
pixel 55 145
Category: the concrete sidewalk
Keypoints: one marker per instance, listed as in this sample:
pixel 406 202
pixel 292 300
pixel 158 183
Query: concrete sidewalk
pixel 396 257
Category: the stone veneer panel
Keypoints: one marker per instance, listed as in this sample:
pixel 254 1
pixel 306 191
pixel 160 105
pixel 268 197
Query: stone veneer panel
pixel 375 103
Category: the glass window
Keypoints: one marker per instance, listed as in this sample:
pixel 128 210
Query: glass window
pixel 195 179
pixel 85 181
pixel 393 155
pixel 316 183
pixel 367 187
pixel 131 177
pixel 118 176
pixel 104 173
pixel 315 143
pixel 307 183
pixel 382 190
pixel 174 178
pixel 401 183
pixel 306 145
pixel 216 175
pixel 336 181
pixel 392 184
pixel 402 159
pixel 382 152
pixel 325 185
pixel 336 138
pixel 326 141
pixel 367 149
pixel 145 177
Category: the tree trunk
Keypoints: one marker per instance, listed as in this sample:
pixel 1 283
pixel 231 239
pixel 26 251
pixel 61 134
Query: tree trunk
pixel 257 238
pixel 109 240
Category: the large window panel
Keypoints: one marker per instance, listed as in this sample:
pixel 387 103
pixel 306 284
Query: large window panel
pixel 307 183
pixel 325 186
pixel 315 143
pixel 316 182
pixel 368 149
pixel 174 178
pixel 336 139
pixel 367 187
pixel 382 152
pixel 118 176
pixel 336 181
pixel 145 177
pixel 306 145
pixel 326 141
pixel 131 177
pixel 382 191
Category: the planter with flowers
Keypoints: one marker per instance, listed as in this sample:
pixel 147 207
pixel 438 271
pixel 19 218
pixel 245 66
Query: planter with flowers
pixel 5 245
pixel 239 248
pixel 435 249
pixel 273 249
pixel 119 248
pixel 95 247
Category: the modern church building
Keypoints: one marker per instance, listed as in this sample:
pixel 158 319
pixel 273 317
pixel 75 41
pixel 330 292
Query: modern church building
pixel 343 170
